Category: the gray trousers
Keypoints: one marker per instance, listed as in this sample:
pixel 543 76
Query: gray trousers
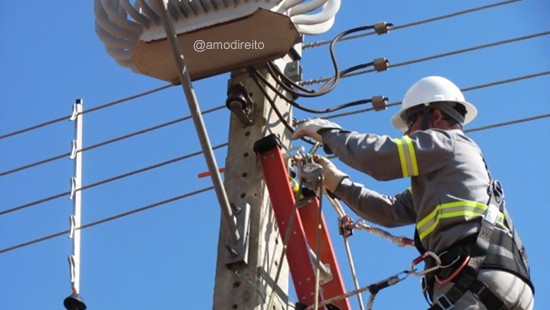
pixel 511 290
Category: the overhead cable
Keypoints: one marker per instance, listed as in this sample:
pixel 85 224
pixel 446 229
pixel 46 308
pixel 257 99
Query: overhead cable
pixel 66 117
pixel 425 21
pixel 517 121
pixel 100 144
pixel 414 61
pixel 105 220
pixel 115 178
pixel 466 89
pixel 210 188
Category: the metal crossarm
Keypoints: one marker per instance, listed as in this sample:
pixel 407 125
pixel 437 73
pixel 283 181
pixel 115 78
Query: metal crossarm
pixel 303 229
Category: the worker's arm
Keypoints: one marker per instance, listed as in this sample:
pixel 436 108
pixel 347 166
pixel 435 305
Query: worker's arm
pixel 386 158
pixel 388 211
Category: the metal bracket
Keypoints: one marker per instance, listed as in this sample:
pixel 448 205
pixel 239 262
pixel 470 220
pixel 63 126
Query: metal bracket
pixel 237 254
pixel 73 188
pixel 240 103
pixel 293 70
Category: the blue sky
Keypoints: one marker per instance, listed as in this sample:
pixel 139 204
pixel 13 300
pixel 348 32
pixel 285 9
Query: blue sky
pixel 165 257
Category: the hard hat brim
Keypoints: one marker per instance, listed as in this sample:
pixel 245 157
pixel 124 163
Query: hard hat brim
pixel 399 123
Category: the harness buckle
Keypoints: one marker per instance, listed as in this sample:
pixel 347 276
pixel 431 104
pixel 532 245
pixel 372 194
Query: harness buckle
pixel 443 302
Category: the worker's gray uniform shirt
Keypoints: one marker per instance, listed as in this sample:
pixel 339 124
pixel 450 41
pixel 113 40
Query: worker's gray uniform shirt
pixel 449 181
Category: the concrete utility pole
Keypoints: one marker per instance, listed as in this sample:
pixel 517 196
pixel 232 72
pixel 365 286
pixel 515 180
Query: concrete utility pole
pixel 244 184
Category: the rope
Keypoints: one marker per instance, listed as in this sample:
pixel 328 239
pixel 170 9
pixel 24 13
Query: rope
pixel 105 220
pixel 469 49
pixel 425 21
pixel 66 117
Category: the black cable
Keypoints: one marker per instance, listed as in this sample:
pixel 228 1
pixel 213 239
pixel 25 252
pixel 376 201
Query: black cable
pixel 257 75
pixel 254 74
pixel 418 60
pixel 100 144
pixel 105 220
pixel 411 24
pixel 329 84
pixel 115 178
pixel 57 120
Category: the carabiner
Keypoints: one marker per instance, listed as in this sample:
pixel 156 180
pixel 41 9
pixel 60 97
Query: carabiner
pixel 422 258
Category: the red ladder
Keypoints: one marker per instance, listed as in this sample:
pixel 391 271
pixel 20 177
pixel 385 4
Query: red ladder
pixel 303 231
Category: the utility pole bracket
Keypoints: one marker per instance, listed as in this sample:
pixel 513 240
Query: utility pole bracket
pixel 237 254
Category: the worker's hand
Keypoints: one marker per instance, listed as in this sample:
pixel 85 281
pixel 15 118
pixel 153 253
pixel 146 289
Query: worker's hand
pixel 332 176
pixel 311 128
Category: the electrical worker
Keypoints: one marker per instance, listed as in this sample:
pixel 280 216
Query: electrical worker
pixel 458 208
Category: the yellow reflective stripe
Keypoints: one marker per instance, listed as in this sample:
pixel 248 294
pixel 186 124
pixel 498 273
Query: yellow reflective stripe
pixel 444 211
pixel 401 156
pixel 413 156
pixel 407 156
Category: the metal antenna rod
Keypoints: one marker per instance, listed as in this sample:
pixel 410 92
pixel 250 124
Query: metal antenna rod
pixel 194 108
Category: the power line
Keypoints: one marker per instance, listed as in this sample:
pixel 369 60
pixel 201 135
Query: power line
pixel 517 121
pixel 466 89
pixel 515 79
pixel 425 21
pixel 66 117
pixel 414 61
pixel 105 220
pixel 115 178
pixel 28 243
pixel 117 139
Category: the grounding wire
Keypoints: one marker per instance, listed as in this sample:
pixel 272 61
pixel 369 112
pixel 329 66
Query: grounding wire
pixel 66 117
pixel 425 21
pixel 105 220
pixel 414 61
pixel 112 179
pixel 100 144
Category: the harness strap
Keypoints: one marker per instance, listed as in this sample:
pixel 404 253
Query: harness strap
pixel 467 281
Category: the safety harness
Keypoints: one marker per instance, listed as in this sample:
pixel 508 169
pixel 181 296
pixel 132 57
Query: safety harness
pixel 491 248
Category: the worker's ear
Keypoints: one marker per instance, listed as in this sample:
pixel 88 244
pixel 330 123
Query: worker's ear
pixel 438 119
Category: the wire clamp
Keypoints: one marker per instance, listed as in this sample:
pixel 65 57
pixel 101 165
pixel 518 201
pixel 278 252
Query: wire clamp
pixel 382 27
pixel 379 103
pixel 380 64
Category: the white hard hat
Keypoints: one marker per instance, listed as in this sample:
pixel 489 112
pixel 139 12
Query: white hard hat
pixel 428 90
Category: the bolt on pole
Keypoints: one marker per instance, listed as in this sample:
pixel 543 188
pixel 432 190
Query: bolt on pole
pixel 194 108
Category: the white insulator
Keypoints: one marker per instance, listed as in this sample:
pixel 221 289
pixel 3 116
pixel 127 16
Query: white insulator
pixel 330 9
pixel 306 7
pixel 285 5
pixel 316 29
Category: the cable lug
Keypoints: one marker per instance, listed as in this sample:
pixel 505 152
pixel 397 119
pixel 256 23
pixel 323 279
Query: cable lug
pixel 379 103
pixel 380 64
pixel 382 27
